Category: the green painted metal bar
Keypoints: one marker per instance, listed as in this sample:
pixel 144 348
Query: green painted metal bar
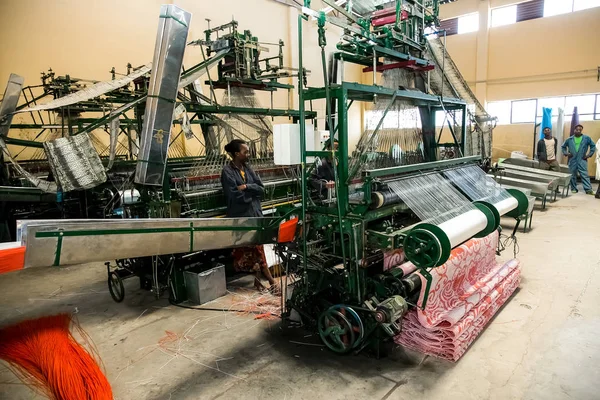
pixel 374 173
pixel 358 91
pixel 108 117
pixel 124 122
pixel 191 237
pixel 202 65
pixel 354 59
pixel 23 142
pixel 342 170
pixel 401 56
pixel 463 132
pixel 267 84
pixel 302 114
pixel 341 189
pixel 322 153
pixel 32 101
pixel 215 109
pixel 58 251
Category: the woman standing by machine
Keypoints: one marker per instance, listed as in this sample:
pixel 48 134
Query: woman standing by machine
pixel 243 189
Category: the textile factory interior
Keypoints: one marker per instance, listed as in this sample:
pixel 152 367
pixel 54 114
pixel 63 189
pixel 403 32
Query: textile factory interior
pixel 299 199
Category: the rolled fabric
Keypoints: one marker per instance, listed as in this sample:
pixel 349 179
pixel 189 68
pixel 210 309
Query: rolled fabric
pixel 506 205
pixel 464 227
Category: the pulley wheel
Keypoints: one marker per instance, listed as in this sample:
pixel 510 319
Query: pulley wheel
pixel 427 246
pixel 341 328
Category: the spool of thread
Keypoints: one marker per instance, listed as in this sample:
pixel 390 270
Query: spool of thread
pixel 381 199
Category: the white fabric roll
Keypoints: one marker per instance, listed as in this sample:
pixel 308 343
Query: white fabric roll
pixel 464 227
pixel 506 205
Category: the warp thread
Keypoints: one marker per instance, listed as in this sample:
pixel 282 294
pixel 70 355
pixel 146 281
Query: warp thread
pixel 46 357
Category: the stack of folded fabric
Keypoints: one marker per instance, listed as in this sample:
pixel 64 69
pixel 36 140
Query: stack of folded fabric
pixel 465 294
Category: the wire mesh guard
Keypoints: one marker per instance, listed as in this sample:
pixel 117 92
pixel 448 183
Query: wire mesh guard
pixel 75 163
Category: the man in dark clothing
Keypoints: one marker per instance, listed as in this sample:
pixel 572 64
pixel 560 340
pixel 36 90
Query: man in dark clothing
pixel 578 148
pixel 546 151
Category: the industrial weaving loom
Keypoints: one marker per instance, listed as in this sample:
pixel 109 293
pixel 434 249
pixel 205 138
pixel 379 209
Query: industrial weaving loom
pixel 145 145
pixel 369 240
pixel 402 195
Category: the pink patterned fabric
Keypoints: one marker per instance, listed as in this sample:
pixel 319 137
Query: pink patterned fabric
pixel 465 294
pixel 393 258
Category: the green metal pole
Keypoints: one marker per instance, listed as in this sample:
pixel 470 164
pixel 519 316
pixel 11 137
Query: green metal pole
pixel 463 132
pixel 302 148
pixel 322 44
pixel 398 14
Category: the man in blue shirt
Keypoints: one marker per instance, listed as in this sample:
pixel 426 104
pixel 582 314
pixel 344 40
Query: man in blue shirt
pixel 578 148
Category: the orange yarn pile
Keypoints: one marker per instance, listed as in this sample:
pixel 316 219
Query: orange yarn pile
pixel 12 259
pixel 44 354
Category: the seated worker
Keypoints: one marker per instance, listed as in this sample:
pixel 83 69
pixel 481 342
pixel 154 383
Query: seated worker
pixel 323 177
pixel 243 189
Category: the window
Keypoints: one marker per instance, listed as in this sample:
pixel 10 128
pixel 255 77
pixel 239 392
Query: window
pixel 450 26
pixel 468 23
pixel 500 110
pixel 557 7
pixel 530 10
pixel 394 119
pixel 551 102
pixel 585 4
pixel 440 118
pixel 523 111
pixel 504 16
pixel 585 106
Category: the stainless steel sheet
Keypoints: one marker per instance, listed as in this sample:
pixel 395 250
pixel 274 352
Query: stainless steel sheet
pixel 67 242
pixel 12 93
pixel 162 93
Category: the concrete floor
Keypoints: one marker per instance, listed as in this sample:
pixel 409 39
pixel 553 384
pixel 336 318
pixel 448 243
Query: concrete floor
pixel 544 344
